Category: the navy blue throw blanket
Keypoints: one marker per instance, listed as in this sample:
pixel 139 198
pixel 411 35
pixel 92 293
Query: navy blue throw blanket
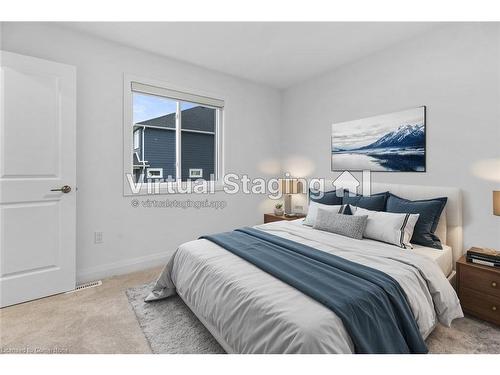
pixel 371 304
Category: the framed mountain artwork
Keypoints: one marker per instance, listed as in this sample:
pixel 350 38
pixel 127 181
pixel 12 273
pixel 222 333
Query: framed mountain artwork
pixel 394 142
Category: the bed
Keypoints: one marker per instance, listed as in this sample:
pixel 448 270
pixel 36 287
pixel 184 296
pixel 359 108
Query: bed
pixel 249 311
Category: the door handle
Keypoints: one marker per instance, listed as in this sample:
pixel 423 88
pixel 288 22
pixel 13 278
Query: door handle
pixel 65 189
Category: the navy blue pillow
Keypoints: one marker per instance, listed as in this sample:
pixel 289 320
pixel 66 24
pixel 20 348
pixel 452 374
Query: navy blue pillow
pixel 375 202
pixel 329 197
pixel 429 210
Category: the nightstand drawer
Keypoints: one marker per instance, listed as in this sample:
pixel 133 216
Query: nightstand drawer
pixel 480 280
pixel 483 305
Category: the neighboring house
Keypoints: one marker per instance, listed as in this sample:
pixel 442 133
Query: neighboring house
pixel 155 146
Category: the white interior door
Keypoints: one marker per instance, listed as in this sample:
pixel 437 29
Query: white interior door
pixel 37 155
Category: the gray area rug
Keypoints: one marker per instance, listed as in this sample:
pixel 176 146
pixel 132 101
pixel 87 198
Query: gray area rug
pixel 171 327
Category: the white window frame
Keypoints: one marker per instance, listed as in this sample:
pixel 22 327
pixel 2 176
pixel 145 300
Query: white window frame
pixel 128 142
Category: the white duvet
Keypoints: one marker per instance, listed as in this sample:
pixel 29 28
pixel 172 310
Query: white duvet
pixel 250 311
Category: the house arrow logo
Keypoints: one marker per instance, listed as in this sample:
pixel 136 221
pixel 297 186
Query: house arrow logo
pixel 346 182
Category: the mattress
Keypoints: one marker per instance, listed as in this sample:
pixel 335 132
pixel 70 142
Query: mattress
pixel 443 258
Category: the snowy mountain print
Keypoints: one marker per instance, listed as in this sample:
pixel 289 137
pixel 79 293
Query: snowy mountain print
pixel 404 136
pixel 393 142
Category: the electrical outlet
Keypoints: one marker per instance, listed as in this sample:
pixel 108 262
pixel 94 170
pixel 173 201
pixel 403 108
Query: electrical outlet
pixel 98 237
pixel 299 208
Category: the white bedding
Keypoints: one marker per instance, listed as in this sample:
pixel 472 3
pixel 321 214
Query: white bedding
pixel 250 311
pixel 443 258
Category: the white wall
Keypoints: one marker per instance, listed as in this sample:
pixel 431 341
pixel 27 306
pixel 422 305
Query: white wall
pixel 138 237
pixel 455 72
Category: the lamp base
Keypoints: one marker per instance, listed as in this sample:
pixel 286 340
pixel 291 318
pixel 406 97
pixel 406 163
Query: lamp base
pixel 288 204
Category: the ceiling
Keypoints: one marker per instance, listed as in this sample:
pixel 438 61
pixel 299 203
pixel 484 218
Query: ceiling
pixel 276 54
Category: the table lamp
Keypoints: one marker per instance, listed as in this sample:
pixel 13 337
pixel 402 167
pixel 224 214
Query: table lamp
pixel 289 186
pixel 496 203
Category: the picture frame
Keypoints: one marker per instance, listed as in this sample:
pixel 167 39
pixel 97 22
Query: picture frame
pixel 392 142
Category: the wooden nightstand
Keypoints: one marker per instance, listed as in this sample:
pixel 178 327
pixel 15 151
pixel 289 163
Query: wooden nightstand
pixel 479 290
pixel 269 218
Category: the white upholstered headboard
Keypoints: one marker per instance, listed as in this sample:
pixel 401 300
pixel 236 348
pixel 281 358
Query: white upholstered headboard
pixel 453 209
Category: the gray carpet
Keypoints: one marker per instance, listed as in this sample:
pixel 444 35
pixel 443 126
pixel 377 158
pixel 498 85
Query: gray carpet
pixel 170 327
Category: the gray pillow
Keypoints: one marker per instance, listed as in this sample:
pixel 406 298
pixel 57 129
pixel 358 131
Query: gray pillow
pixel 345 225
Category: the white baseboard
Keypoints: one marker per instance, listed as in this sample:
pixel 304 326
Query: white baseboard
pixel 121 267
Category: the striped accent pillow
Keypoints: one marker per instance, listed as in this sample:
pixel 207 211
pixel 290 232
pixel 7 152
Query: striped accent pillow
pixel 389 227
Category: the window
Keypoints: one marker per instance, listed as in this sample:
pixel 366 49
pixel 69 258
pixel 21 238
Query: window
pixel 137 139
pixel 154 173
pixel 176 135
pixel 195 173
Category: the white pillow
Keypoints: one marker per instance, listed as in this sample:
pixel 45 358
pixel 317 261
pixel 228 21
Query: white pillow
pixel 389 227
pixel 312 212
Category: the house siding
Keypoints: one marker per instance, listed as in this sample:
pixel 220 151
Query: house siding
pixel 198 151
pixel 159 150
